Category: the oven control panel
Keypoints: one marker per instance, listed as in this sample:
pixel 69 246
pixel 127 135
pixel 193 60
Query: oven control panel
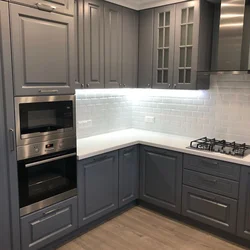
pixel 43 148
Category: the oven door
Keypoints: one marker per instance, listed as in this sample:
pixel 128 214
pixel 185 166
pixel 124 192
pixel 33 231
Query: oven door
pixel 46 180
pixel 44 118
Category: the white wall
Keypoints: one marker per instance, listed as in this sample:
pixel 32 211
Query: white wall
pixel 223 111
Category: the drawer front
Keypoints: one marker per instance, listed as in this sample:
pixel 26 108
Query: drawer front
pixel 58 6
pixel 211 183
pixel 209 166
pixel 211 209
pixel 47 225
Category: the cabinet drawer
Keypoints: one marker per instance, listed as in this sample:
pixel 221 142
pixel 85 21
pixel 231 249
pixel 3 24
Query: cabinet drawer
pixel 213 167
pixel 49 224
pixel 58 6
pixel 208 208
pixel 211 183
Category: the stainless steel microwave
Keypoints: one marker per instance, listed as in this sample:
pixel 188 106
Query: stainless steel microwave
pixel 44 118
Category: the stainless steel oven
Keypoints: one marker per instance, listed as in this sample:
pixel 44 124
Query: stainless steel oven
pixel 44 118
pixel 46 179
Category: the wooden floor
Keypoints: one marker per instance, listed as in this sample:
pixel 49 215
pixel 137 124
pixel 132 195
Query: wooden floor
pixel 141 229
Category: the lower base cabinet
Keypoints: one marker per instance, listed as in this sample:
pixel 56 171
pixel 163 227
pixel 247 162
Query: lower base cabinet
pixel 211 209
pixel 161 178
pixel 49 224
pixel 128 175
pixel 243 227
pixel 97 187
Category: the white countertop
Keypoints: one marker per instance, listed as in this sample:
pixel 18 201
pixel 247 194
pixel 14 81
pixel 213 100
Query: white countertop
pixel 104 143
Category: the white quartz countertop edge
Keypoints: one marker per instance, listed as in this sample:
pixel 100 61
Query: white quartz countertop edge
pixel 104 143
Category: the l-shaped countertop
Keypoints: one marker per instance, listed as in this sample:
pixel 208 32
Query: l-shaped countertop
pixel 100 144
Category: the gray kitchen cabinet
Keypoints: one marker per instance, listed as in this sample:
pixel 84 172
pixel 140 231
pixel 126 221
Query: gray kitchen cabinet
pixel 5 72
pixel 130 29
pixel 42 52
pixel 97 187
pixel 45 226
pixel 193 43
pixel 9 208
pixel 211 209
pixel 128 175
pixel 163 58
pixel 113 45
pixel 58 6
pixel 161 177
pixel 92 56
pixel 243 227
pixel 146 47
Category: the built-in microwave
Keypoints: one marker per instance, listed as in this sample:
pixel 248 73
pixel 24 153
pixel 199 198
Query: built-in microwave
pixel 44 118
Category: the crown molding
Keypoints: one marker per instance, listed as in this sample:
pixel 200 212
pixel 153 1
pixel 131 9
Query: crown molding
pixel 143 4
pixel 132 4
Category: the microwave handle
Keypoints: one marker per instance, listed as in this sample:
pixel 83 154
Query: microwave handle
pixel 48 90
pixel 12 139
pixel 49 160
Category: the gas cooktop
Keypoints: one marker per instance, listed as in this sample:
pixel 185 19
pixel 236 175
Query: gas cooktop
pixel 221 146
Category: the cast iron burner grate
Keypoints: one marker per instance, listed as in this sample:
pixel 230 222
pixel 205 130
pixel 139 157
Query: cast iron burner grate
pixel 221 146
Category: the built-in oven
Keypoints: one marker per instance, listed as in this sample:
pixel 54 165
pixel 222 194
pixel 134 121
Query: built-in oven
pixel 43 118
pixel 46 179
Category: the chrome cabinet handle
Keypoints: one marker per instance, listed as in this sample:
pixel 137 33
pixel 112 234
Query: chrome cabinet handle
pixel 49 160
pixel 169 85
pixel 175 85
pixel 124 85
pixel 149 85
pixel 46 7
pixel 12 139
pixel 50 212
pixel 211 163
pixel 87 85
pixel 214 181
pixel 48 91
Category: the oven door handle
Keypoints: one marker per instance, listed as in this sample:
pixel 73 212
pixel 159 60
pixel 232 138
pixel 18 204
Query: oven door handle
pixel 49 160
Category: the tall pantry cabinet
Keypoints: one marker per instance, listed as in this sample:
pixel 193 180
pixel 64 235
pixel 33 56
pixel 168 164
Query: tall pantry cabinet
pixel 107 45
pixel 9 208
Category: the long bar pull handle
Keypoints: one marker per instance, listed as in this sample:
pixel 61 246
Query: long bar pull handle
pixel 46 7
pixel 12 139
pixel 49 160
pixel 48 90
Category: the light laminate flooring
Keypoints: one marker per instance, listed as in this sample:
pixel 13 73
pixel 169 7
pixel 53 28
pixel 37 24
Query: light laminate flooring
pixel 141 229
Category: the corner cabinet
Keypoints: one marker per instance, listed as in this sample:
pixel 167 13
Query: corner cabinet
pixel 42 52
pixel 107 45
pixel 128 175
pixel 179 55
pixel 161 177
pixel 97 187
pixel 243 228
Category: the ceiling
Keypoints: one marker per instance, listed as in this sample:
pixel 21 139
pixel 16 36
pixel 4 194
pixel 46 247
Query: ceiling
pixel 143 4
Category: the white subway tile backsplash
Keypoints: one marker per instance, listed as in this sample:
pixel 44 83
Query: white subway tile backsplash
pixel 222 111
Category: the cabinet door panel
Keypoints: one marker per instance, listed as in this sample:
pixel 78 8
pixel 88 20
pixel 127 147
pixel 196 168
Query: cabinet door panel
pixel 49 224
pixel 214 210
pixel 161 177
pixel 97 187
pixel 43 52
pixel 129 48
pixel 163 61
pixel 94 43
pixel 58 6
pixel 186 45
pixel 5 82
pixel 146 45
pixel 243 228
pixel 128 175
pixel 113 45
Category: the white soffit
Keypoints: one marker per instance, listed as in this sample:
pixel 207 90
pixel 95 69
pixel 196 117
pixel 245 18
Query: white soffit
pixel 143 4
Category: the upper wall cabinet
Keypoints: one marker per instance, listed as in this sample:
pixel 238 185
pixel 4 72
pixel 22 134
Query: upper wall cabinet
pixel 181 47
pixel 42 51
pixel 107 45
pixel 113 45
pixel 193 41
pixel 58 6
pixel 164 47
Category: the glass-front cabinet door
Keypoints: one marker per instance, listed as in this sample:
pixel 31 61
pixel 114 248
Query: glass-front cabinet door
pixel 186 45
pixel 163 61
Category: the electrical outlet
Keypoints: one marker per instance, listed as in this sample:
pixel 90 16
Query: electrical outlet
pixel 85 124
pixel 149 119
